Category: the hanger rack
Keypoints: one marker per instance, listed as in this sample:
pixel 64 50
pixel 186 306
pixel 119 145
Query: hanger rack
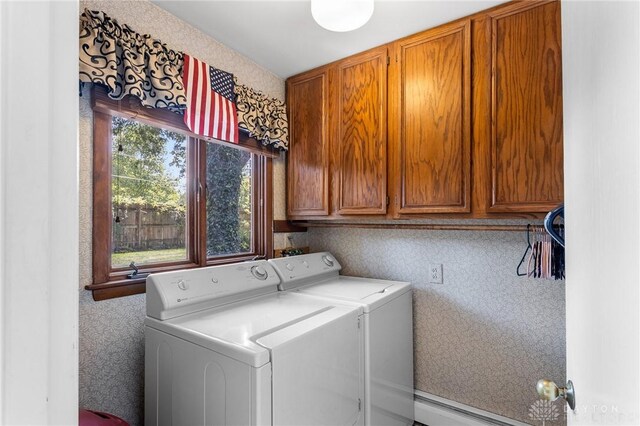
pixel 545 255
pixel 552 270
pixel 418 226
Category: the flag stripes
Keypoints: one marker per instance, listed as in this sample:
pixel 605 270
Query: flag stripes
pixel 209 113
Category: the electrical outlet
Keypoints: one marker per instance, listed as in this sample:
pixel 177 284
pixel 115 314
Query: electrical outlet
pixel 435 273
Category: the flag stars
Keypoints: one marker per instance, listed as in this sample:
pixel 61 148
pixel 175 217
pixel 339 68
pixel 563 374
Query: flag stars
pixel 222 82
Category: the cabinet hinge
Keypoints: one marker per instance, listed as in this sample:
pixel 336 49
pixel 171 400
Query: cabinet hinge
pixel 358 322
pixel 359 404
pixel 388 60
pixel 387 200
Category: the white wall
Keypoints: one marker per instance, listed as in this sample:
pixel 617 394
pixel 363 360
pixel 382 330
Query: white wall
pixel 601 67
pixel 39 213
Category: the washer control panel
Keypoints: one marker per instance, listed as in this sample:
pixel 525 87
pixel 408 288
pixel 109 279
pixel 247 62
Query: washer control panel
pixel 299 270
pixel 181 292
pixel 259 272
pixel 328 260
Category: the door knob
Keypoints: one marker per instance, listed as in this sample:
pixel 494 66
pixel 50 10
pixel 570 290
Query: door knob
pixel 550 391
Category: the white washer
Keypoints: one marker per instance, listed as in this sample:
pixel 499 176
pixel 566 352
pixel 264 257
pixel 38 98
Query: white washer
pixel 224 347
pixel 388 329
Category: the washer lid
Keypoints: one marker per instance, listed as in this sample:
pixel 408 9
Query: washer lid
pixel 369 292
pixel 234 330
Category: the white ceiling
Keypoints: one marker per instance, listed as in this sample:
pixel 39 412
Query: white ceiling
pixel 283 37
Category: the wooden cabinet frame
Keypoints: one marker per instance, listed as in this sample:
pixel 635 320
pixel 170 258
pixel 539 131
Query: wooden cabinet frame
pixel 296 141
pixel 376 161
pixel 398 139
pixel 554 139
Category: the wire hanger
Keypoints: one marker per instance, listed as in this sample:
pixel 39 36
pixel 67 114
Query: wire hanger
pixel 524 256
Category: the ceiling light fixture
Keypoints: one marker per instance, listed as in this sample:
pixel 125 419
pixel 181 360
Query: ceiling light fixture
pixel 341 15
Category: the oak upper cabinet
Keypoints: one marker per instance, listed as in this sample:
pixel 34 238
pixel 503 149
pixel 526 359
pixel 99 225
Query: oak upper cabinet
pixel 518 49
pixel 430 98
pixel 308 156
pixel 360 149
pixel 474 116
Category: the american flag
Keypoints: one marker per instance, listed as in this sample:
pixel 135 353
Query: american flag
pixel 211 109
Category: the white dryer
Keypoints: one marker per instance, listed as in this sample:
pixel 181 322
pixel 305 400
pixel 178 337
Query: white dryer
pixel 224 347
pixel 388 329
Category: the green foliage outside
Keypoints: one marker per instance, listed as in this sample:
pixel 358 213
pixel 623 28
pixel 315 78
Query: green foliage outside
pixel 228 200
pixel 144 178
pixel 147 256
pixel 149 172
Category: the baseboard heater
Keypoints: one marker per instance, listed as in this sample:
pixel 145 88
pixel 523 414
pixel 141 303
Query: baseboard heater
pixel 433 410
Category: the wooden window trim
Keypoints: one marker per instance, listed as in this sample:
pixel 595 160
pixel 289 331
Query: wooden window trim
pixel 109 283
pixel 131 107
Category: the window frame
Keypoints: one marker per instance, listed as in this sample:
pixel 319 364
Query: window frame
pixel 111 282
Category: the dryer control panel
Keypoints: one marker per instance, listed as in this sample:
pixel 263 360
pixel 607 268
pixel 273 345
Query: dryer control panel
pixel 296 271
pixel 176 293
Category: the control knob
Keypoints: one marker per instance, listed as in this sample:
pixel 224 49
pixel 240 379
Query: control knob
pixel 259 272
pixel 182 285
pixel 327 260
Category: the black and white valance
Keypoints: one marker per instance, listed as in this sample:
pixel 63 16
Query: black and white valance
pixel 261 117
pixel 129 63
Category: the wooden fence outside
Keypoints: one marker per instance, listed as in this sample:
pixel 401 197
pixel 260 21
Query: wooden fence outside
pixel 144 228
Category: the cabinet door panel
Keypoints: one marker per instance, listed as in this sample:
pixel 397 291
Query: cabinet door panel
pixel 362 134
pixel 526 145
pixel 434 79
pixel 308 156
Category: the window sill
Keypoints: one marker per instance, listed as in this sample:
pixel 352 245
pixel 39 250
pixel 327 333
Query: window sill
pixel 119 288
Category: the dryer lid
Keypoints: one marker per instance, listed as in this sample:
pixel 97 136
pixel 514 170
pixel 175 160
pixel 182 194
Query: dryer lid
pixel 370 292
pixel 356 289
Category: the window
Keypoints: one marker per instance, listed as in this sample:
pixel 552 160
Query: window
pixel 148 194
pixel 165 199
pixel 230 206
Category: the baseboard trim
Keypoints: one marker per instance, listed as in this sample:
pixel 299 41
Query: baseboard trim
pixel 433 410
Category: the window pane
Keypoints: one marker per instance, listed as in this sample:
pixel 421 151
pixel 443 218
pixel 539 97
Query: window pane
pixel 149 185
pixel 229 200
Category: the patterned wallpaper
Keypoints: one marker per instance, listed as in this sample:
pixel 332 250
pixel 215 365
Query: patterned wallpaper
pixel 112 356
pixel 483 337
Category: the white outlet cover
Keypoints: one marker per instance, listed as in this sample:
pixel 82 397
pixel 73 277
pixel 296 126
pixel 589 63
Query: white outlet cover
pixel 435 273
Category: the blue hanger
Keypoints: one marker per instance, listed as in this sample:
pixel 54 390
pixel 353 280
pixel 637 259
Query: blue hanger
pixel 548 224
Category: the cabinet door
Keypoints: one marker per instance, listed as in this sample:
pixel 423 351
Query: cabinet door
pixel 526 108
pixel 431 132
pixel 361 145
pixel 308 156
